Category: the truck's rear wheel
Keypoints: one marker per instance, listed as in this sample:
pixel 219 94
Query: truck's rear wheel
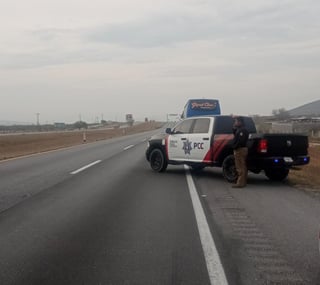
pixel 277 174
pixel 158 161
pixel 229 169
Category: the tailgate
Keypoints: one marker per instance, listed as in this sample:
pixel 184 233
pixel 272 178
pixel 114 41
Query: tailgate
pixel 287 144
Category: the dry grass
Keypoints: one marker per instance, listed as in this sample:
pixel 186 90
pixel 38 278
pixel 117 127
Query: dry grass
pixel 25 144
pixel 308 176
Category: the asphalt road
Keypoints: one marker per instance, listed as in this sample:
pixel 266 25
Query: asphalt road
pixel 97 214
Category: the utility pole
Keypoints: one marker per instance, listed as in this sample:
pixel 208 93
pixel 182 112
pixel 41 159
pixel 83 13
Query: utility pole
pixel 38 120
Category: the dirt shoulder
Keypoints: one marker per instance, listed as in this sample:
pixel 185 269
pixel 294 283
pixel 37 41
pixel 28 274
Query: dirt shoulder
pixel 25 144
pixel 307 177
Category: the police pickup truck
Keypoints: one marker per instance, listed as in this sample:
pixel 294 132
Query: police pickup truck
pixel 207 141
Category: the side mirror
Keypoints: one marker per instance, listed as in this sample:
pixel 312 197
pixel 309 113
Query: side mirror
pixel 168 131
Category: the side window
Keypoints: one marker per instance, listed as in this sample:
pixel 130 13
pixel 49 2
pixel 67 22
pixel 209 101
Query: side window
pixel 201 126
pixel 184 127
pixel 224 125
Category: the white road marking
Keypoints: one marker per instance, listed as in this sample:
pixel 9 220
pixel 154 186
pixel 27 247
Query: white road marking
pixel 215 269
pixel 85 167
pixel 128 147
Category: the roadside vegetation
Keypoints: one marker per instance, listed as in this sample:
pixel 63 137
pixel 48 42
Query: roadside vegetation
pixel 308 177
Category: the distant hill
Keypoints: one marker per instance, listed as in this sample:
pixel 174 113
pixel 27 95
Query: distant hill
pixel 310 109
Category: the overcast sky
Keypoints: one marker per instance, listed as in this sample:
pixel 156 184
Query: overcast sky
pixel 63 58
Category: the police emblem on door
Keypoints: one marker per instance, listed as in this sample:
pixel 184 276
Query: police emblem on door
pixel 187 147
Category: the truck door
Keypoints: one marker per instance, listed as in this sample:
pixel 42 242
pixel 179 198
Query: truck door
pixel 178 144
pixel 200 140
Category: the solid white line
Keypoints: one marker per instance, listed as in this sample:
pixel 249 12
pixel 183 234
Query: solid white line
pixel 128 147
pixel 214 265
pixel 85 167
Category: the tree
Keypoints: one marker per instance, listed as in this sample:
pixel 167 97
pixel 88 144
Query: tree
pixel 281 114
pixel 80 125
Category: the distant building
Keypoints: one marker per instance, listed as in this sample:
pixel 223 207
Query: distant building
pixel 281 127
pixel 129 119
pixel 60 126
pixel 304 119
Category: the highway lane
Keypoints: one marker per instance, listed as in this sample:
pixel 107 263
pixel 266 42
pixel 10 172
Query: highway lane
pixel 116 222
pixel 267 232
pixel 24 177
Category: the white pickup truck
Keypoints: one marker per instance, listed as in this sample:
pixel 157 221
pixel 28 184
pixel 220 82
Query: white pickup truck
pixel 207 141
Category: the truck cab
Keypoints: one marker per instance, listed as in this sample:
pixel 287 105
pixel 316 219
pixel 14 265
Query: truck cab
pixel 190 140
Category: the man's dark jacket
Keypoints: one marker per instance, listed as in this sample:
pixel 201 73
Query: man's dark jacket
pixel 241 136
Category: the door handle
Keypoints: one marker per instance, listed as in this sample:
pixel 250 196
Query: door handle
pixel 205 139
pixel 183 139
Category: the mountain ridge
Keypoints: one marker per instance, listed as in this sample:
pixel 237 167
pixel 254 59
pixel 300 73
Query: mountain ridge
pixel 308 109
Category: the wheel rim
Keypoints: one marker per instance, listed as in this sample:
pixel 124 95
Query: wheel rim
pixel 156 161
pixel 230 170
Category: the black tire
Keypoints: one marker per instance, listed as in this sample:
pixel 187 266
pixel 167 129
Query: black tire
pixel 158 161
pixel 277 174
pixel 229 169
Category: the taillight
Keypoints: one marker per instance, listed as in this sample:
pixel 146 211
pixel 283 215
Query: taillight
pixel 263 146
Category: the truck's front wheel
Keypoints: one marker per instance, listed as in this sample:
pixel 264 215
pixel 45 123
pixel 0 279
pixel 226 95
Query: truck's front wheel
pixel 158 161
pixel 229 169
pixel 277 174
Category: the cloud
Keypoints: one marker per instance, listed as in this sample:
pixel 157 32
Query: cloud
pixel 245 32
pixel 158 31
pixel 52 47
pixel 263 24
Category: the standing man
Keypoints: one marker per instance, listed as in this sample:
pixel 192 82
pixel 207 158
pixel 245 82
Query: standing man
pixel 240 151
